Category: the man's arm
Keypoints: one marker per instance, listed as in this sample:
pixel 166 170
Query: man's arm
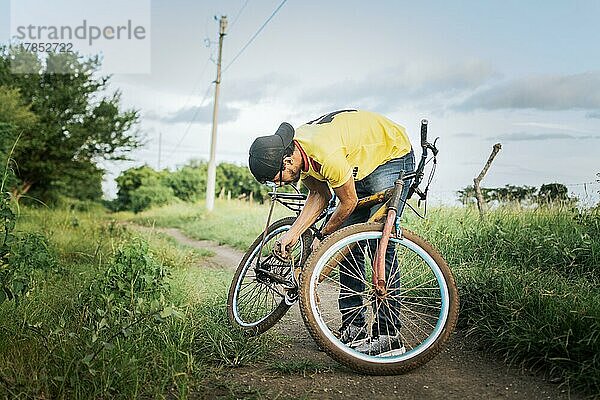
pixel 318 197
pixel 348 200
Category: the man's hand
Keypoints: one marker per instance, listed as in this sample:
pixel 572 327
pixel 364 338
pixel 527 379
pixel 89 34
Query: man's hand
pixel 285 243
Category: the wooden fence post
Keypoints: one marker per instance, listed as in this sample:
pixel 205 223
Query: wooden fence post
pixel 477 180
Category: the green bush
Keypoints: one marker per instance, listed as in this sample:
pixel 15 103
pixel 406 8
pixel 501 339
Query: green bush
pixel 150 195
pixel 189 182
pixel 130 180
pixel 142 187
pixel 21 256
pixel 239 181
pixel 134 277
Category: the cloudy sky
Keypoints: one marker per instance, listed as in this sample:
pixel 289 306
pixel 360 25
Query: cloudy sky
pixel 525 74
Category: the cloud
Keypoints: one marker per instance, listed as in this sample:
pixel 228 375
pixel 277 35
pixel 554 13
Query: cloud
pixel 520 137
pixel 257 89
pixel 465 135
pixel 550 126
pixel 552 92
pixel 412 82
pixel 197 114
pixel 593 114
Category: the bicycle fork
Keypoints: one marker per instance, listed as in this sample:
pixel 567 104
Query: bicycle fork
pixel 390 221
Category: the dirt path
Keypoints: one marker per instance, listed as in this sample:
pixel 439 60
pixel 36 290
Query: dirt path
pixel 460 372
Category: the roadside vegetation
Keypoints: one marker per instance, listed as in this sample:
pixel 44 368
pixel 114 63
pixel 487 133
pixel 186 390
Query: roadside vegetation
pixel 91 309
pixel 529 285
pixel 528 277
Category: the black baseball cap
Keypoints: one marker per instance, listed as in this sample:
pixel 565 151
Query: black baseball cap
pixel 267 152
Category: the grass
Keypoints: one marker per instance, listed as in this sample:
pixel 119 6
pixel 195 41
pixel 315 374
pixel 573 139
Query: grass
pixel 72 336
pixel 235 223
pixel 528 279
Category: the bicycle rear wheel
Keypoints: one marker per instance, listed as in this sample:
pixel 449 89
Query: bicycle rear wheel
pixel 263 290
pixel 421 304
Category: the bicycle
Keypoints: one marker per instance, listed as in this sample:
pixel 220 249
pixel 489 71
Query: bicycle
pixel 418 292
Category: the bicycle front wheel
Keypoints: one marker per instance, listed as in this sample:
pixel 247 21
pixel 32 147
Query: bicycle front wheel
pixel 264 287
pixel 415 316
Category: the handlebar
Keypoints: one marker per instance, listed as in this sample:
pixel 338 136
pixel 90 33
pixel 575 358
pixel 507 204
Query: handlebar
pixel 425 147
pixel 424 123
pixel 424 143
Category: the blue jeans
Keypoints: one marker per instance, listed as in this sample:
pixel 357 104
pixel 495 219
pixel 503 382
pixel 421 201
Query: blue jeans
pixel 351 287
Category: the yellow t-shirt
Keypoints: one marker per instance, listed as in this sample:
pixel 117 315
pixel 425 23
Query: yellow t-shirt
pixel 350 142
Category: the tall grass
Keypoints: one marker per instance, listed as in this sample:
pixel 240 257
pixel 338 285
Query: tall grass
pixel 529 284
pixel 235 222
pixel 529 280
pixel 125 316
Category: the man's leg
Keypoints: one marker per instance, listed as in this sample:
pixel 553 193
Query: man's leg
pixel 388 311
pixel 352 273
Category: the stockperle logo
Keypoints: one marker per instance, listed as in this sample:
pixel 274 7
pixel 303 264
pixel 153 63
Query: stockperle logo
pixel 118 31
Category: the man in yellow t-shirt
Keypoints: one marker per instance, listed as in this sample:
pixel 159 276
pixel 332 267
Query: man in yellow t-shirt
pixel 355 153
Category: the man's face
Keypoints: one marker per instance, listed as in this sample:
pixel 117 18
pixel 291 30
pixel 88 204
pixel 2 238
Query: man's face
pixel 289 174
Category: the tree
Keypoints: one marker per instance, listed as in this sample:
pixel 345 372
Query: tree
pixel 547 194
pixel 502 195
pixel 189 182
pixel 14 118
pixel 133 179
pixel 554 193
pixel 239 181
pixel 77 123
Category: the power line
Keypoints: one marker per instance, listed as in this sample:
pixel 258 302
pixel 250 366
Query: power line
pixel 238 15
pixel 255 35
pixel 200 76
pixel 582 184
pixel 187 129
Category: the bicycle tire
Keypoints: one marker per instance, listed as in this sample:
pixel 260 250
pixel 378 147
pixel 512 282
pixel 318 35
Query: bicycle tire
pixel 278 307
pixel 424 265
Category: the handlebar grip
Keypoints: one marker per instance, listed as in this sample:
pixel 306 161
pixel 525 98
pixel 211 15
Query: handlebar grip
pixel 424 123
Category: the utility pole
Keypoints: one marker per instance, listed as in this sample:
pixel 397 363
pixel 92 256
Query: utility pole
pixel 159 147
pixel 212 164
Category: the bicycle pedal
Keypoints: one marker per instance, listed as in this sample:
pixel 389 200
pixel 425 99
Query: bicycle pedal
pixel 291 298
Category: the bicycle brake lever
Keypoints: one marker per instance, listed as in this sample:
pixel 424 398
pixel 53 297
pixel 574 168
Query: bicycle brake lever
pixel 433 147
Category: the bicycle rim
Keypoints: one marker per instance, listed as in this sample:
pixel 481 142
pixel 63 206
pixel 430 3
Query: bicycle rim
pixel 255 298
pixel 421 306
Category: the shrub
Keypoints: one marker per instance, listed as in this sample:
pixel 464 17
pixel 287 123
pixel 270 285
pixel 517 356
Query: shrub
pixel 134 278
pixel 189 182
pixel 150 195
pixel 20 256
pixel 132 179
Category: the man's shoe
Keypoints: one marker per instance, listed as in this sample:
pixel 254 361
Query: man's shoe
pixel 352 335
pixel 383 345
